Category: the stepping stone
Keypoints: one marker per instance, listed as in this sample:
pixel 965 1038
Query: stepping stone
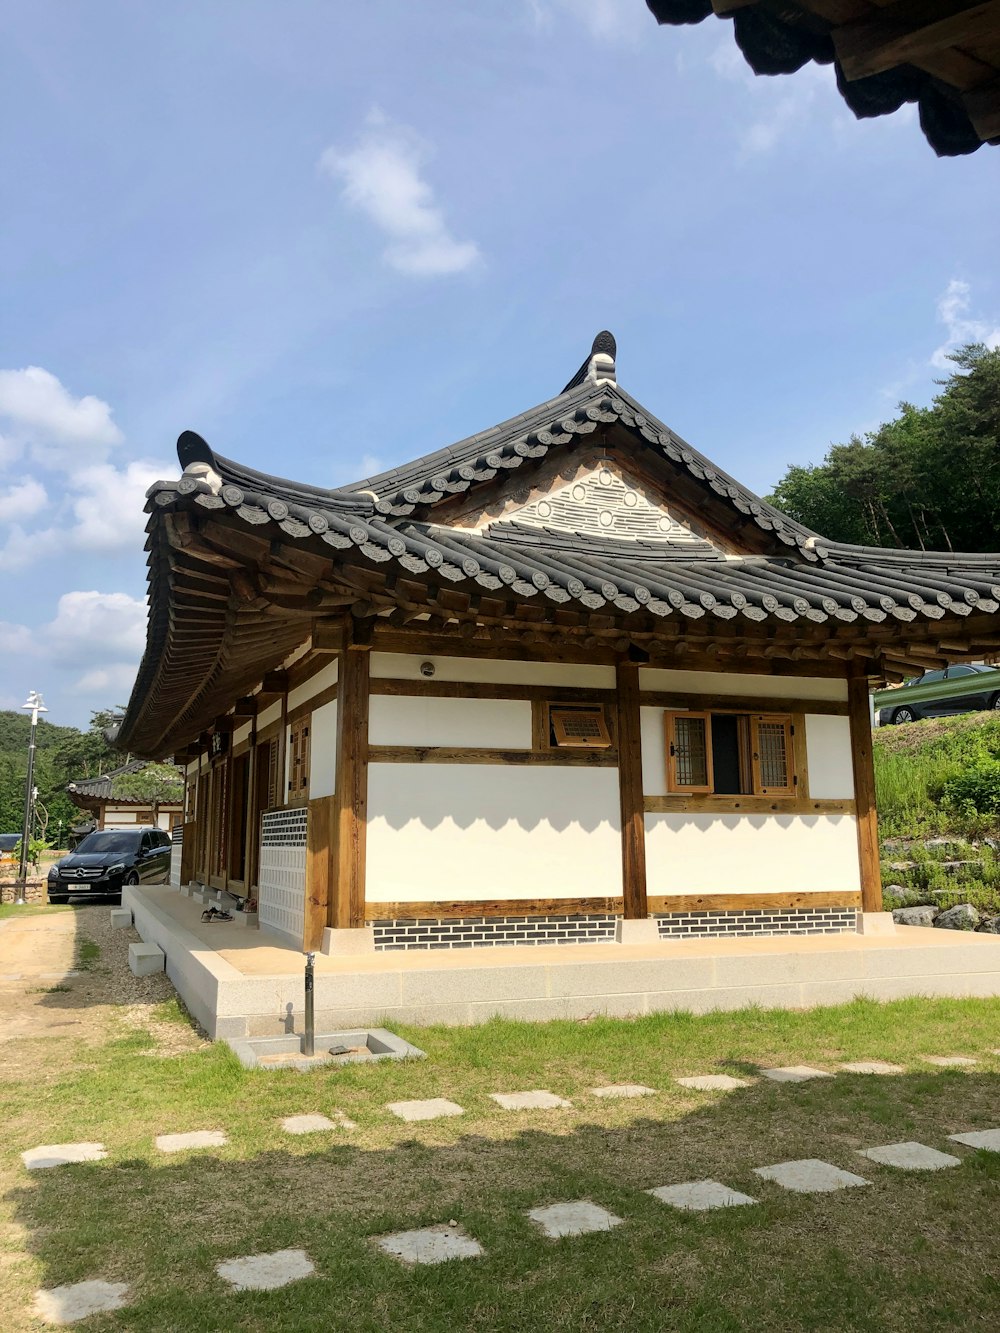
pixel 573 1219
pixel 430 1245
pixel 949 1061
pixel 988 1140
pixel 265 1272
pixel 699 1195
pixel 431 1109
pixel 536 1100
pixel 809 1176
pixel 62 1154
pixel 794 1073
pixel 911 1157
pixel 623 1090
pixel 197 1138
pixel 872 1067
pixel 314 1124
pixel 79 1300
pixel 713 1082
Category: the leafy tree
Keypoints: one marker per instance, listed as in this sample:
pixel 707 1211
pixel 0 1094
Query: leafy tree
pixel 159 784
pixel 928 479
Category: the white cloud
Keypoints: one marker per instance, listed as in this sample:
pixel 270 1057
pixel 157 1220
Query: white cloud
pixel 953 309
pixel 113 682
pixel 109 505
pixel 381 177
pixel 22 500
pixel 42 414
pixel 23 546
pixel 107 626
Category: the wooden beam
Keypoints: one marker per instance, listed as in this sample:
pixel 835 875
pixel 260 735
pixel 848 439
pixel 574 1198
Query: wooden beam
pixel 983 106
pixel 347 898
pixel 747 805
pixel 859 717
pixel 319 864
pixel 469 754
pixel 906 32
pixel 630 790
pixel 447 911
pixel 748 902
pixel 328 636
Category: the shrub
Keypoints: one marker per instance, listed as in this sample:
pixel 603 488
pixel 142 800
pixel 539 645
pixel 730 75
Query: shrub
pixel 974 790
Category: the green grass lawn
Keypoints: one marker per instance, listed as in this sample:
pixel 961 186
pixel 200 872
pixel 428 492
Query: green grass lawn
pixel 910 1252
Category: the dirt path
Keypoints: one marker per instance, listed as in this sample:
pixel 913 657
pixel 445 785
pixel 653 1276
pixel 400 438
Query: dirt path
pixel 65 974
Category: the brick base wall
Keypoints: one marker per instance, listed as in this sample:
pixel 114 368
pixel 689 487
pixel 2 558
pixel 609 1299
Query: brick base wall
pixel 759 921
pixel 466 931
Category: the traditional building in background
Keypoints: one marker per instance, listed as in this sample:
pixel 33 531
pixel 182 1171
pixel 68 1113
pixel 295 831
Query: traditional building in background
pixel 564 680
pixel 108 808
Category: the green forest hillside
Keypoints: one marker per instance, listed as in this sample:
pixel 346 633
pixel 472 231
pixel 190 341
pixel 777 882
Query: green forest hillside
pixel 63 754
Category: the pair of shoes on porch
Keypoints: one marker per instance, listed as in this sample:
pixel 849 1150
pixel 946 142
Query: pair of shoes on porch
pixel 213 914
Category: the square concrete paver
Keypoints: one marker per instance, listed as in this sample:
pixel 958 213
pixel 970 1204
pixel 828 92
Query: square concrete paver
pixel 713 1082
pixel 794 1073
pixel 700 1195
pixel 196 1138
pixel 315 1124
pixel 872 1067
pixel 949 1061
pixel 79 1300
pixel 987 1140
pixel 431 1109
pixel 573 1219
pixel 430 1245
pixel 536 1100
pixel 911 1157
pixel 623 1090
pixel 809 1176
pixel 265 1272
pixel 62 1154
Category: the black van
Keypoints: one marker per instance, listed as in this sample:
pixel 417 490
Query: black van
pixel 109 858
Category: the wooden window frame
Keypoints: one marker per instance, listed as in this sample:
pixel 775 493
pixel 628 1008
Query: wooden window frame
pixel 789 720
pixel 299 759
pixel 670 735
pixel 555 727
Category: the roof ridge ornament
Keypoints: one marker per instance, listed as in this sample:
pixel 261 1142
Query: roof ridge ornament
pixel 599 368
pixel 198 460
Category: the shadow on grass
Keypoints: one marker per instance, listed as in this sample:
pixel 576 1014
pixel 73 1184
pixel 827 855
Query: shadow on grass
pixel 861 1259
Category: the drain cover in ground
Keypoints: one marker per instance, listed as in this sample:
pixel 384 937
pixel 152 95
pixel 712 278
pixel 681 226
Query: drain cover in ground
pixel 197 1138
pixel 872 1067
pixel 536 1100
pixel 430 1245
pixel 62 1154
pixel 949 1061
pixel 794 1073
pixel 573 1219
pixel 65 1305
pixel 700 1195
pixel 986 1139
pixel 431 1109
pixel 265 1272
pixel 713 1082
pixel 315 1124
pixel 623 1090
pixel 911 1157
pixel 809 1176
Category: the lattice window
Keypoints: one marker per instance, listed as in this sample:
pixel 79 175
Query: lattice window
pixel 579 727
pixel 771 738
pixel 298 760
pixel 689 752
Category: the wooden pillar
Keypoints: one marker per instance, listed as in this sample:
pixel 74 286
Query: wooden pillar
pixel 347 896
pixel 859 716
pixel 630 791
pixel 320 868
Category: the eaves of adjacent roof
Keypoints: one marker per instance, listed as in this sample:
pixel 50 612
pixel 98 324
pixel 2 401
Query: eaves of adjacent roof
pixel 90 792
pixel 952 74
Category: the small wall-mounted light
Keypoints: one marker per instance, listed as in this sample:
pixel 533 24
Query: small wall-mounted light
pixel 427 668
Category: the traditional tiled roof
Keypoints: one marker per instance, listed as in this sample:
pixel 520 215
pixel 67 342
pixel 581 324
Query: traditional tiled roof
pixel 89 792
pixel 945 57
pixel 241 564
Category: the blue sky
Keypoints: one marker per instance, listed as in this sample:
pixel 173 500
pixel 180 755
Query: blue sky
pixel 331 237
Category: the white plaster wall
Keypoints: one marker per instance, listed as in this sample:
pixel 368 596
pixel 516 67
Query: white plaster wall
pixel 270 714
pixel 723 682
pixel 447 832
pixel 654 755
pixel 241 734
pixel 828 749
pixel 423 720
pixel 404 666
pixel 314 685
pixel 323 751
pixel 751 853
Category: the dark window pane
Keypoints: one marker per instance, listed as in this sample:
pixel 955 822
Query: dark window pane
pixel 726 753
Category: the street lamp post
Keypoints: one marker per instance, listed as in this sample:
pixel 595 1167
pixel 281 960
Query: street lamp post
pixel 35 706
